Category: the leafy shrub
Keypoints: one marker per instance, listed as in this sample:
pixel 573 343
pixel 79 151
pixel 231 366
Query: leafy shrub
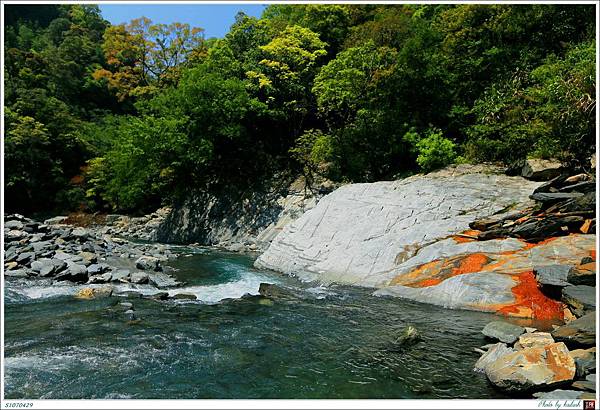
pixel 433 151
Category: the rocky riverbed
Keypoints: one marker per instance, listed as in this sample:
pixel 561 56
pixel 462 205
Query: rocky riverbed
pixel 55 253
pixel 466 237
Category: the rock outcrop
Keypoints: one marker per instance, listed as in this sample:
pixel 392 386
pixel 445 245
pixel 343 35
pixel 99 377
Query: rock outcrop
pixel 535 362
pixel 415 239
pixel 62 252
pixel 533 368
pixel 240 221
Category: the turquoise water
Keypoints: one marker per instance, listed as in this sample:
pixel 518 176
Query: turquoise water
pixel 335 342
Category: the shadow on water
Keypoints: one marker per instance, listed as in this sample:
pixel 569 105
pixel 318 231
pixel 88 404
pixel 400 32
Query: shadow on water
pixel 332 342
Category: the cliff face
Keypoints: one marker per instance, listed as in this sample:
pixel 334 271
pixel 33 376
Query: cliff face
pixel 237 220
pixel 410 238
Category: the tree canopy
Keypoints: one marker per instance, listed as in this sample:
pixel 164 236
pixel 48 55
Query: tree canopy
pixel 126 117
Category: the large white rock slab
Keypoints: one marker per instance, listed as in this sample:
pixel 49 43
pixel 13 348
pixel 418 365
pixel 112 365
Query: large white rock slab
pixel 368 234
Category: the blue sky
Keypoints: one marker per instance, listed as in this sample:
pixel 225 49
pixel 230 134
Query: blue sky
pixel 215 19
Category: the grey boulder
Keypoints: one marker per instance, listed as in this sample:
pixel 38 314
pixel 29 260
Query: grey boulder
pixel 580 298
pixel 139 277
pixel 553 275
pixel 579 332
pixel 148 263
pixel 503 331
pixel 494 353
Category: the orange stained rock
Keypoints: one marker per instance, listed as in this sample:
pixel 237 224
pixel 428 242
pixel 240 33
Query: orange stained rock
pixel 426 283
pixel 528 297
pixel 560 362
pixel 463 239
pixel 593 254
pixel 471 263
pixel 423 272
pixel 438 272
pixel 585 228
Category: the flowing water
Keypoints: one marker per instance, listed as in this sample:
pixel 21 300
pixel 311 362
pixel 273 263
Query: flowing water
pixel 335 342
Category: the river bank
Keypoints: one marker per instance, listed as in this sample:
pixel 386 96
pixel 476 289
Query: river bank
pixel 506 245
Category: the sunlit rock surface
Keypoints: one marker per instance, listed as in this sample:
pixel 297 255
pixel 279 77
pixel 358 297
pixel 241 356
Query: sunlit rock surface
pixel 411 239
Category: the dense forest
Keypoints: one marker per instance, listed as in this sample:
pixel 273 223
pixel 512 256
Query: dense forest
pixel 123 118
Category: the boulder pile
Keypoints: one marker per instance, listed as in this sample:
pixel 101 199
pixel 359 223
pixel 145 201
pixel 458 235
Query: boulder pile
pixel 525 361
pixel 142 227
pixel 60 252
pixel 564 205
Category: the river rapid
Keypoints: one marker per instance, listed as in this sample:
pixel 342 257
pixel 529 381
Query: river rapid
pixel 327 342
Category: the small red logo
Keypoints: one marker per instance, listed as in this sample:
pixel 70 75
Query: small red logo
pixel 589 405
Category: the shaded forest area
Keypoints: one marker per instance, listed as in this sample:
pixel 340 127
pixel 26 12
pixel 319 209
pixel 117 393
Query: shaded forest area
pixel 124 118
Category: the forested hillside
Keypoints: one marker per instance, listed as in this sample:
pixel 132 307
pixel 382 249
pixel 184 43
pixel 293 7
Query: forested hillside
pixel 126 117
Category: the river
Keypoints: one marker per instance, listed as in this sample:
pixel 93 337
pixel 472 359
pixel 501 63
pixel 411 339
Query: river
pixel 335 342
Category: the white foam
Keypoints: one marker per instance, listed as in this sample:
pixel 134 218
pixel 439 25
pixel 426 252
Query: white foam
pixel 40 292
pixel 249 284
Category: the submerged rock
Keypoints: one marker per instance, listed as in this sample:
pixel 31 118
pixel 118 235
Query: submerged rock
pixel 409 336
pixel 92 293
pixel 272 291
pixel 185 296
pixel 130 314
pixel 503 331
pixel 532 368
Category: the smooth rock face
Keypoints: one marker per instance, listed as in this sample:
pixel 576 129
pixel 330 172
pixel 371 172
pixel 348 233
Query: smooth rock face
pixel 405 239
pixel 366 234
pixel 553 275
pixel 581 331
pixel 536 367
pixel 503 331
pixel 237 221
pixel 495 352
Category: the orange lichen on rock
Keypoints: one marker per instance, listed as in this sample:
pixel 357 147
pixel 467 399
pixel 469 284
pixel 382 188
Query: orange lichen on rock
pixel 419 274
pixel 471 263
pixel 593 254
pixel 427 282
pixel 529 299
pixel 433 273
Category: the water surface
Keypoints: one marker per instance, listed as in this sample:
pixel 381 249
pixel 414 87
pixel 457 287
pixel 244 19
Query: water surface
pixel 335 342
